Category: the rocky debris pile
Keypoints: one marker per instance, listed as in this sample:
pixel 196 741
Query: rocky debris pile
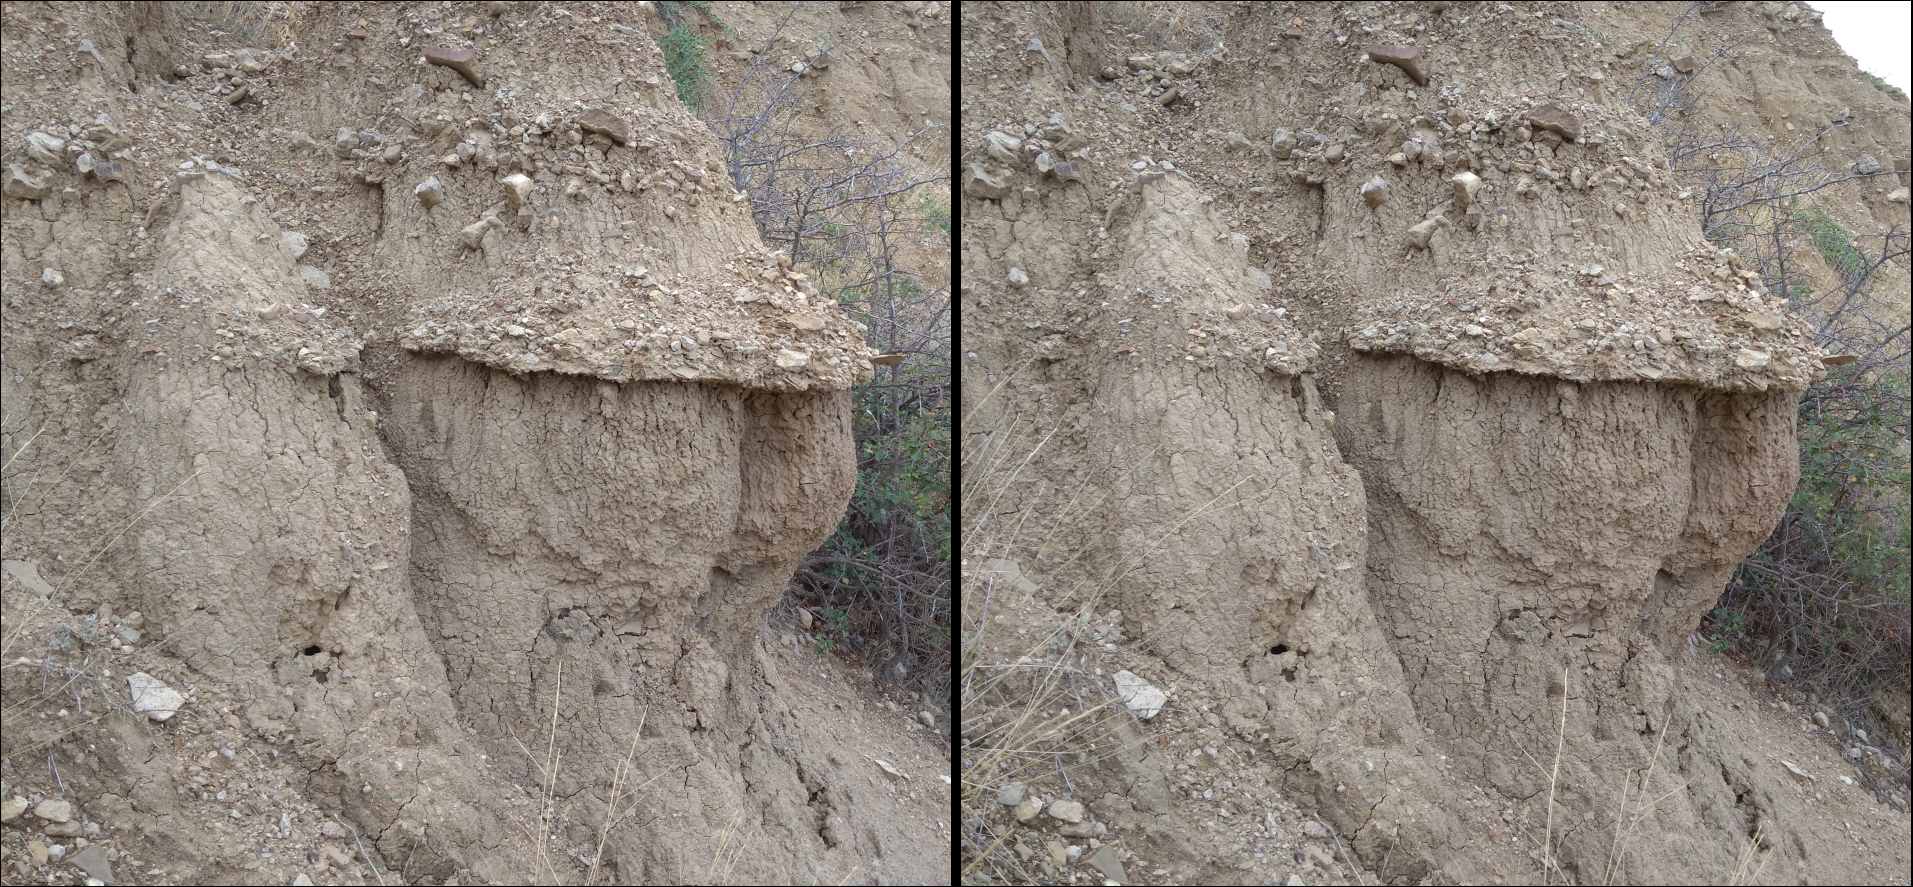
pixel 765 327
pixel 1708 321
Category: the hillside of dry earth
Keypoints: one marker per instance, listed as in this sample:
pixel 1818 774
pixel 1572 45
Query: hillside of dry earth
pixel 1356 379
pixel 400 396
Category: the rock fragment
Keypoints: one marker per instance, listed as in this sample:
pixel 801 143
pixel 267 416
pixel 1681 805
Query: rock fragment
pixel 1067 811
pixel 296 242
pixel 54 810
pixel 1142 698
pixel 791 360
pixel 430 193
pixel 1420 235
pixel 982 184
pixel 473 235
pixel 1283 144
pixel 22 186
pixel 1867 165
pixel 1467 185
pixel 460 60
pixel 1683 63
pixel 45 148
pixel 153 698
pixel 606 124
pixel 518 188
pixel 1555 120
pixel 1018 278
pixel 1407 58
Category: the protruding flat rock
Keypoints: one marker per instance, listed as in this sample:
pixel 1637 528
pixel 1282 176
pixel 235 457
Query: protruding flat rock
pixel 606 124
pixel 1556 120
pixel 1407 58
pixel 464 61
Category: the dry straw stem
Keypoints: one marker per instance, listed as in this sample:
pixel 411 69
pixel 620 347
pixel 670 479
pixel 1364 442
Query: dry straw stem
pixel 1083 730
pixel 1624 826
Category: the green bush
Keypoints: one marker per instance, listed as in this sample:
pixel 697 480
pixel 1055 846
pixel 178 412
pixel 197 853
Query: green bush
pixel 685 51
pixel 1831 240
pixel 1833 578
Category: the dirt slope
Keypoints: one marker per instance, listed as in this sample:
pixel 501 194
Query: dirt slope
pixel 451 422
pixel 1386 409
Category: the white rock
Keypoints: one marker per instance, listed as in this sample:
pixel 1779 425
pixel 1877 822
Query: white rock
pixel 295 242
pixel 315 278
pixel 518 188
pixel 1018 278
pixel 1067 811
pixel 1142 697
pixel 152 697
pixel 1749 359
pixel 791 360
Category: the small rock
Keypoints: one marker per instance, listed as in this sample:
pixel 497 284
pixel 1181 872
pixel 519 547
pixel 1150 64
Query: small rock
pixel 473 235
pixel 22 186
pixel 38 851
pixel 1314 829
pixel 92 860
pixel 54 810
pixel 52 278
pixel 430 193
pixel 1834 360
pixel 45 148
pixel 238 95
pixel 1796 772
pixel 1144 699
pixel 1750 359
pixel 809 323
pixel 1027 810
pixel 1765 321
pixel 344 144
pixel 1067 811
pixel 295 242
pixel 1897 195
pixel 315 278
pixel 461 60
pixel 1169 96
pixel 1282 144
pixel 1017 278
pixel 1407 58
pixel 297 139
pixel 1420 235
pixel 982 184
pixel 1683 63
pixel 518 188
pixel 1556 120
pixel 606 124
pixel 928 720
pixel 1467 185
pixel 1867 165
pixel 1820 718
pixel 1109 861
pixel 11 808
pixel 1057 853
pixel 791 360
pixel 1010 795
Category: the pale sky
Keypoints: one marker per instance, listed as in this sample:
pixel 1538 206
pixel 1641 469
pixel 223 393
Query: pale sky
pixel 1879 35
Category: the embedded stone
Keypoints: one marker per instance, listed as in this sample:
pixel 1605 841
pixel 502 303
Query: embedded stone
pixel 1683 63
pixel 430 193
pixel 1556 120
pixel 1407 58
pixel 460 60
pixel 606 124
pixel 1375 192
pixel 1467 185
pixel 981 184
pixel 791 360
pixel 23 186
pixel 518 188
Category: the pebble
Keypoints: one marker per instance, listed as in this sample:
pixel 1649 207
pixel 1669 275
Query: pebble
pixel 93 861
pixel 1407 58
pixel 927 719
pixel 54 810
pixel 430 193
pixel 11 808
pixel 315 278
pixel 1067 811
pixel 1017 278
pixel 1027 810
pixel 1010 795
pixel 518 189
pixel 791 360
pixel 296 242
pixel 52 278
